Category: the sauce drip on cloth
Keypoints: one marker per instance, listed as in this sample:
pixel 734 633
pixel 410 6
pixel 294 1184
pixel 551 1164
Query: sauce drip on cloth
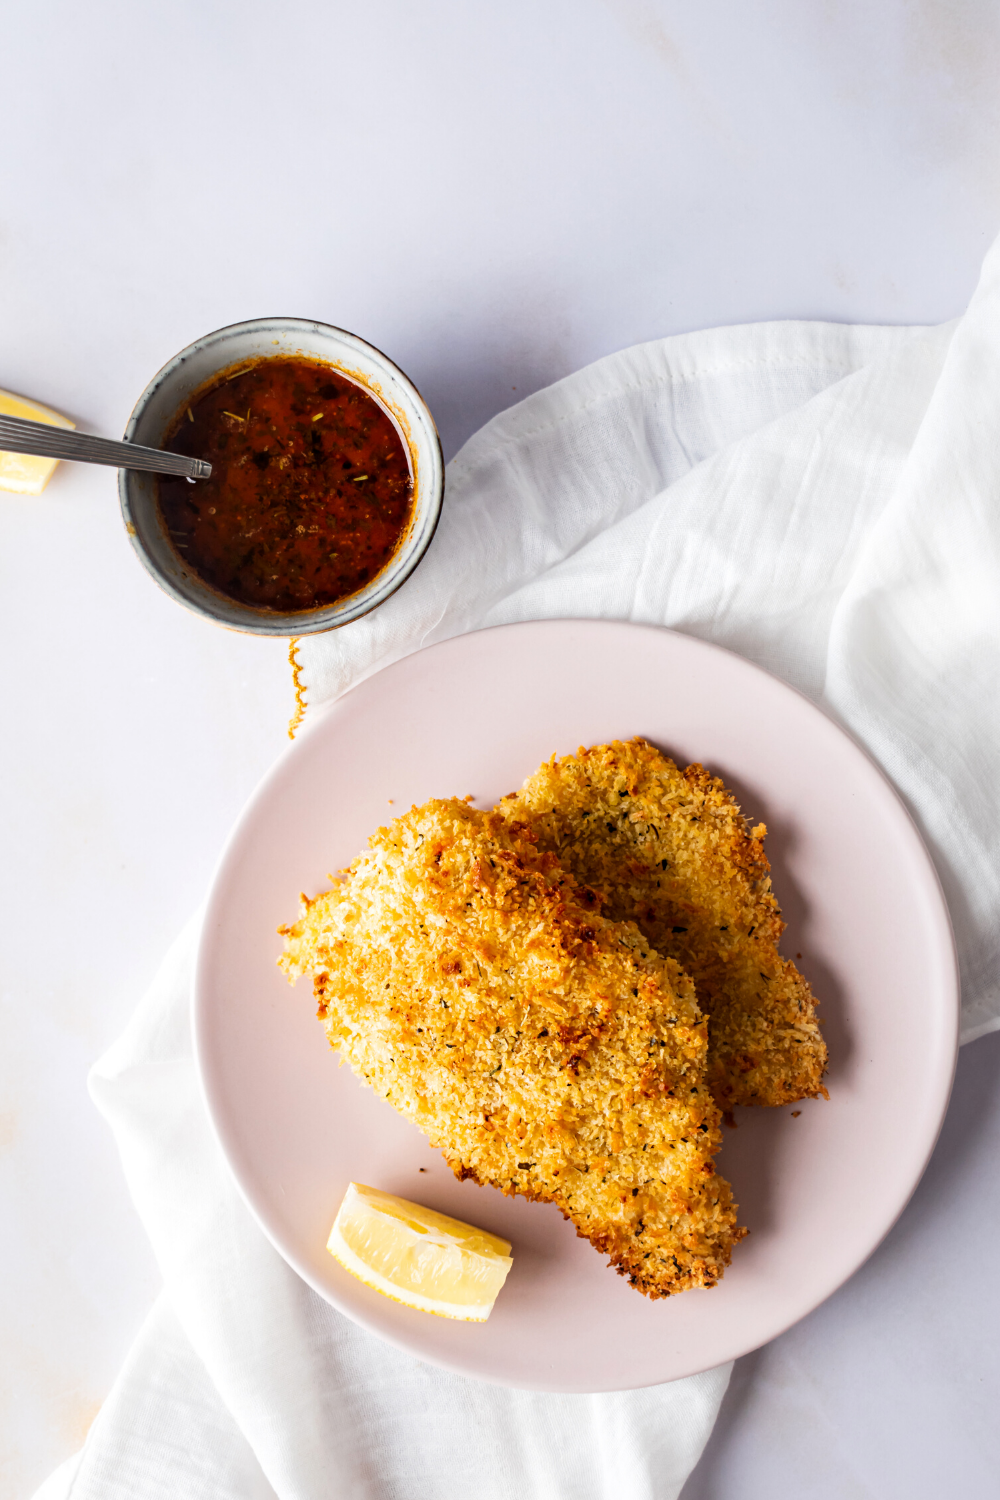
pixel 310 491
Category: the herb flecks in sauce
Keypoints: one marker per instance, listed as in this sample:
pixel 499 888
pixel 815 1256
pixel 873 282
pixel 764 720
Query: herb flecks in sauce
pixel 310 489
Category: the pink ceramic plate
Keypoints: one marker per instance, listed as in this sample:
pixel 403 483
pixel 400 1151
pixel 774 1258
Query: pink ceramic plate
pixel 476 715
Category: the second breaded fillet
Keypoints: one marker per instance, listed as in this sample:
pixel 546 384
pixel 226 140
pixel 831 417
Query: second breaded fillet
pixel 671 851
pixel 545 1050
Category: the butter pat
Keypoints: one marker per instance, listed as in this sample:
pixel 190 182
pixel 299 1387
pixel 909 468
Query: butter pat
pixel 22 472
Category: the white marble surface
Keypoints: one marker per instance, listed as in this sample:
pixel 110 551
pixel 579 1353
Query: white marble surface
pixel 495 195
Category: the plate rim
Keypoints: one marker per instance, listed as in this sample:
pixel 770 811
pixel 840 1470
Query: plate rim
pixel 944 1071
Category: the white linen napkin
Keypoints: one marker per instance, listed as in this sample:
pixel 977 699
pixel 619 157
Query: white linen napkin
pixel 824 500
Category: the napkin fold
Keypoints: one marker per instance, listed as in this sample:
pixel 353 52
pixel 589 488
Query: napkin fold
pixel 823 500
pixel 245 1383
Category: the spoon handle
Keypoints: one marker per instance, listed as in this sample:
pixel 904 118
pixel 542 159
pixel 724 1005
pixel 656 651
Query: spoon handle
pixel 38 438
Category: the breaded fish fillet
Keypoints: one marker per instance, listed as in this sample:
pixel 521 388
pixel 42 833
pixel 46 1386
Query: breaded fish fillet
pixel 671 851
pixel 545 1050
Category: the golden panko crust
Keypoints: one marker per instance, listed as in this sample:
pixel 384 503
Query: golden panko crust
pixel 545 1050
pixel 670 850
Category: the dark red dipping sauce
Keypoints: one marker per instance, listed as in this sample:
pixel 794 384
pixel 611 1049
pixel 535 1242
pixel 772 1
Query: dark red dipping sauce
pixel 310 491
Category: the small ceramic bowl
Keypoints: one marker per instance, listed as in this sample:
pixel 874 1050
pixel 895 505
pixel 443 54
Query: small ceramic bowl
pixel 194 367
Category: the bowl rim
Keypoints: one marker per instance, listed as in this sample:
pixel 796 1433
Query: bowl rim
pixel 232 613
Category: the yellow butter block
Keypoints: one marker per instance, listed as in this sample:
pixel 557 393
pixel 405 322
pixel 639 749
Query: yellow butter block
pixel 22 472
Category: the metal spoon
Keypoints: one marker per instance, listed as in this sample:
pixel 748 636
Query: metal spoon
pixel 38 438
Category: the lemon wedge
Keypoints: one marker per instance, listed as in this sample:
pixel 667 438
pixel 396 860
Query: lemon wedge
pixel 417 1256
pixel 22 472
